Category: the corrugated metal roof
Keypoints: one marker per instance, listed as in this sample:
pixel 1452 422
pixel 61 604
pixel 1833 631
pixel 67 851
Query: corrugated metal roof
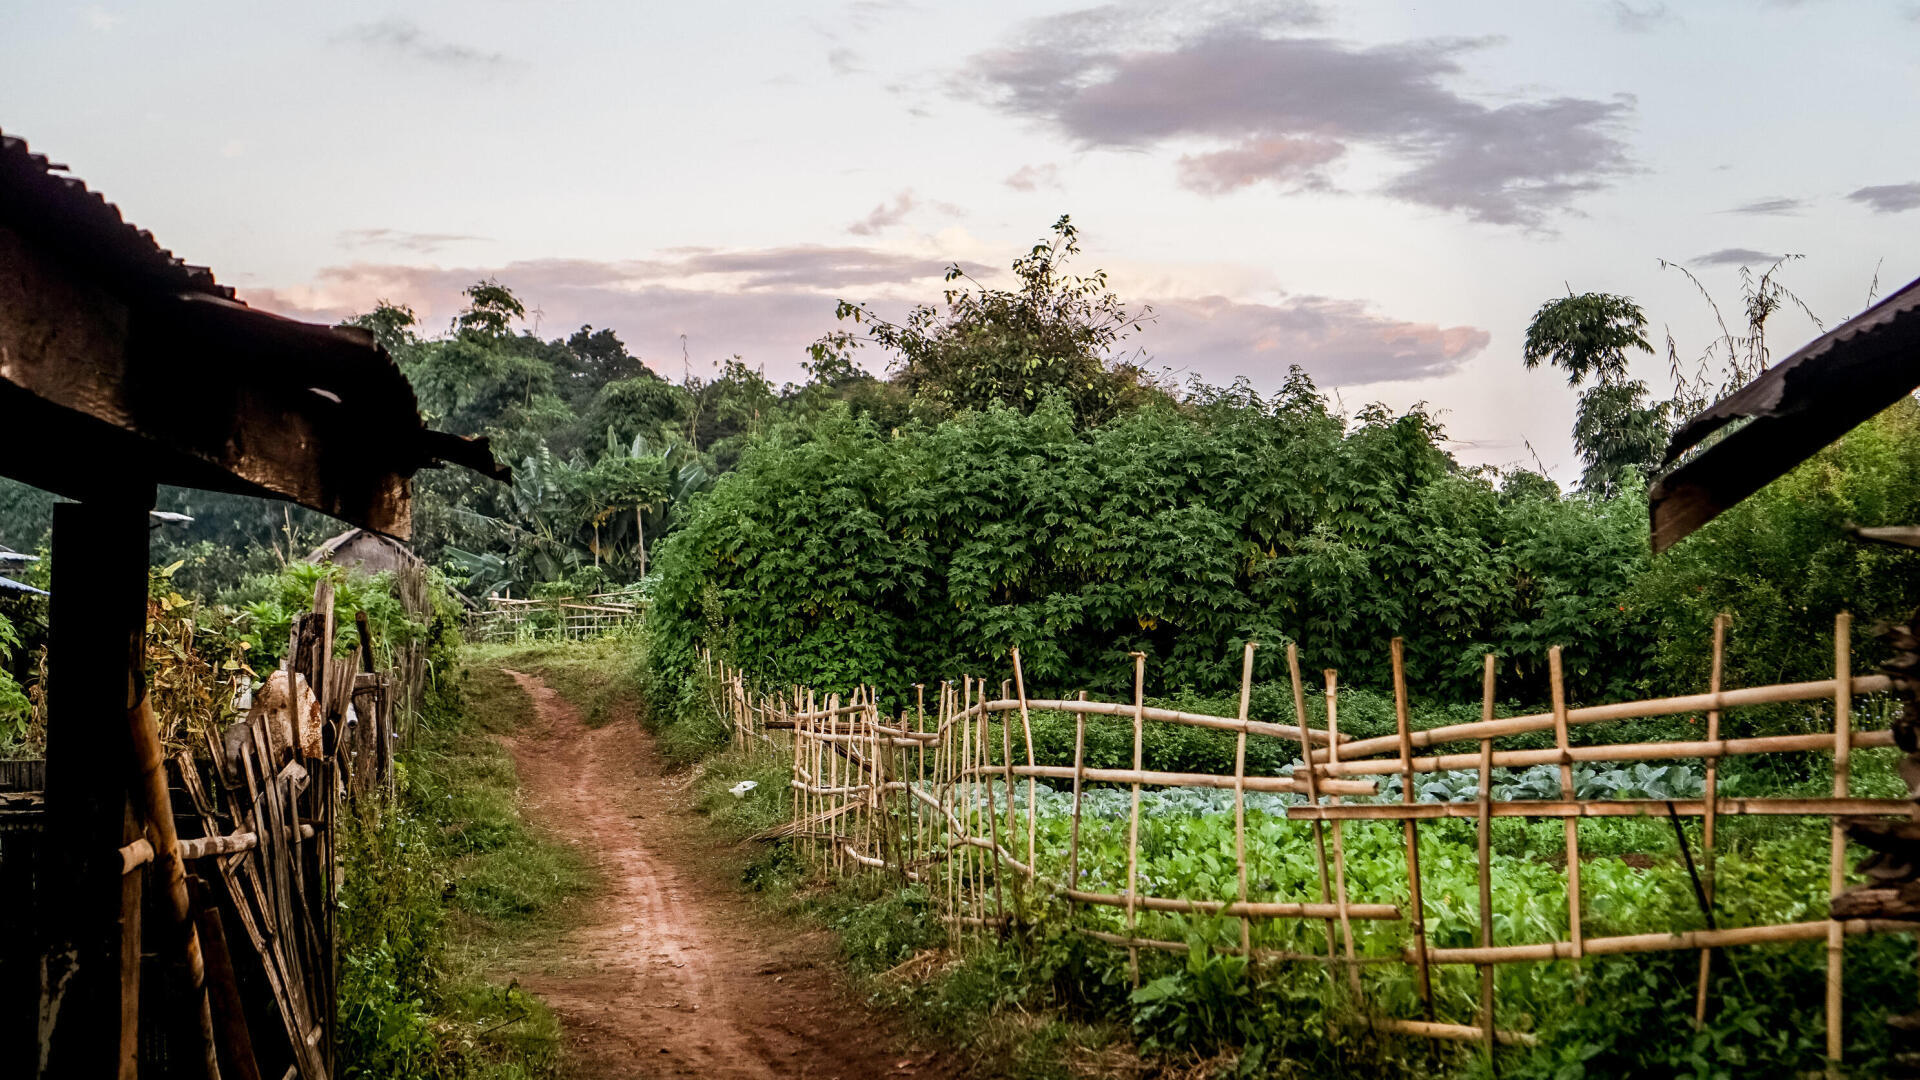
pixel 44 200
pixel 215 340
pixel 1789 412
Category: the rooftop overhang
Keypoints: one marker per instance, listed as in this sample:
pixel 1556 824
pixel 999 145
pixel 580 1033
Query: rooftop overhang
pixel 1787 414
pixel 122 367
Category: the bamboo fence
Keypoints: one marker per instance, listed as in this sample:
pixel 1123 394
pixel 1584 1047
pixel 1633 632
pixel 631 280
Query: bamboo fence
pixel 927 796
pixel 571 618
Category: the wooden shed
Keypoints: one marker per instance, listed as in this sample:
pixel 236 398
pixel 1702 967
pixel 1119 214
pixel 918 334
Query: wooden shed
pixel 123 368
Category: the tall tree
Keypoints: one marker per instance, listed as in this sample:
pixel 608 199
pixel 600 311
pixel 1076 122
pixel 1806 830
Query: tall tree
pixel 1616 432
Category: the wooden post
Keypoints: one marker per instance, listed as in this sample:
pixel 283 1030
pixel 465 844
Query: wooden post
pixel 1306 767
pixel 1486 858
pixel 89 911
pixel 1339 830
pixel 1842 762
pixel 1026 728
pixel 1416 910
pixel 1133 816
pixel 1558 690
pixel 1240 793
pixel 1711 794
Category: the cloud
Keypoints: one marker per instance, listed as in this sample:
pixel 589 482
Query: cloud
pixel 765 304
pixel 1640 20
pixel 1223 171
pixel 768 304
pixel 885 215
pixel 1776 205
pixel 1888 198
pixel 844 61
pixel 1736 256
pixel 1338 342
pixel 419 243
pixel 404 38
pixel 101 20
pixel 1034 177
pixel 1276 105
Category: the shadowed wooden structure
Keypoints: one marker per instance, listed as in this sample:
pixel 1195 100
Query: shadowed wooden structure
pixel 1780 419
pixel 123 368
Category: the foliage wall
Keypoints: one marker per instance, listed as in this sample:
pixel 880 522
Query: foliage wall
pixel 841 552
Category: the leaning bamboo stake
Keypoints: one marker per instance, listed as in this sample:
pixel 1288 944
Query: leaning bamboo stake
pixel 1133 815
pixel 1313 785
pixel 1707 824
pixel 1240 792
pixel 1339 830
pixel 1842 771
pixel 1026 728
pixel 1558 690
pixel 170 873
pixel 1486 858
pixel 1416 908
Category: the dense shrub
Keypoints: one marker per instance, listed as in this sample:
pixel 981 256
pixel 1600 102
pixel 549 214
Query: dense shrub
pixel 841 553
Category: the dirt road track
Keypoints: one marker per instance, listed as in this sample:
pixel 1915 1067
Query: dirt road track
pixel 671 973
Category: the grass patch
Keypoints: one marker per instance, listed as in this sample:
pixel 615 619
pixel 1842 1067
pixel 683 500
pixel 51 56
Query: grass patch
pixel 599 676
pixel 437 885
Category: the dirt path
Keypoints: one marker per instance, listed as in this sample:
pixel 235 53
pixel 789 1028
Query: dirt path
pixel 672 973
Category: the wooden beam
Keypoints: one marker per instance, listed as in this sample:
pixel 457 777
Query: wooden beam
pixel 90 913
pixel 199 392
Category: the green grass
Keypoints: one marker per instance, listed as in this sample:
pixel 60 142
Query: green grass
pixel 599 676
pixel 437 887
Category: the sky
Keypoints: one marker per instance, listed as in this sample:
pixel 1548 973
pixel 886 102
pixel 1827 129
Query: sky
pixel 1380 193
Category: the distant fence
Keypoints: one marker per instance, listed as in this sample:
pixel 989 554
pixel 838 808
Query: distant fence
pixel 932 798
pixel 556 618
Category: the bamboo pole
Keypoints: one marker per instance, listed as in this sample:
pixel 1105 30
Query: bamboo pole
pixel 1487 1020
pixel 920 839
pixel 1601 808
pixel 1626 710
pixel 1427 1029
pixel 993 815
pixel 1416 909
pixel 1671 941
pixel 1158 715
pixel 1556 686
pixel 1312 782
pixel 1006 768
pixel 1155 778
pixel 1339 829
pixel 1842 774
pixel 1133 815
pixel 1252 909
pixel 1711 793
pixel 1240 792
pixel 1026 728
pixel 1657 751
pixel 1079 775
pixel 170 874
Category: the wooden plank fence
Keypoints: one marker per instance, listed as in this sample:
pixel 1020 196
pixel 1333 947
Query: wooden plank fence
pixel 914 795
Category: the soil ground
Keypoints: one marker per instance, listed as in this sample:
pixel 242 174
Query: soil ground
pixel 672 971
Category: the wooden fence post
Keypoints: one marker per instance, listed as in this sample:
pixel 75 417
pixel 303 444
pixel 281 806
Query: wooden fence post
pixel 89 910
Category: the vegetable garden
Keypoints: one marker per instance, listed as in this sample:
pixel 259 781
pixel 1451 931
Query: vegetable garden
pixel 1477 881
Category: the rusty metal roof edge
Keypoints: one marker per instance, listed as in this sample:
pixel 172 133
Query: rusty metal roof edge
pixel 1764 395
